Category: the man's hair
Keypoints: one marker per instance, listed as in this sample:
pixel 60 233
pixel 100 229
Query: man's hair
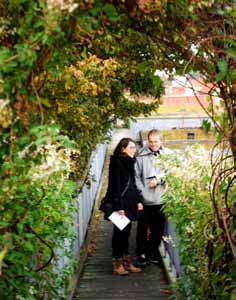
pixel 155 132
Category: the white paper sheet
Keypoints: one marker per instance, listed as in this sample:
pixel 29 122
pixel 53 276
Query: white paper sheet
pixel 120 221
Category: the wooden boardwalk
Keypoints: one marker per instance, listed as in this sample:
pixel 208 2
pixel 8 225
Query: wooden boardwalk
pixel 96 280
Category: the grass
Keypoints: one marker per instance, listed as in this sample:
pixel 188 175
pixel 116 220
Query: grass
pixel 183 108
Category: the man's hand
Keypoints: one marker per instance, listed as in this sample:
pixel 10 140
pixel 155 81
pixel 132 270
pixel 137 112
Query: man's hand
pixel 152 183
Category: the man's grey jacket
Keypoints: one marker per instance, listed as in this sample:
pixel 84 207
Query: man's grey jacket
pixel 146 168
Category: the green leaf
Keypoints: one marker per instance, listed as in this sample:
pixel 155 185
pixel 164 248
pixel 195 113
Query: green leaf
pixel 20 226
pixel 26 55
pixel 142 67
pixel 207 125
pixel 231 52
pixel 24 140
pixel 7 165
pixel 7 60
pixel 219 252
pixel 42 140
pixel 223 67
pixel 233 295
pixel 94 11
pixel 233 196
pixel 45 102
pixel 4 224
pixel 156 81
pixel 29 246
pixel 111 12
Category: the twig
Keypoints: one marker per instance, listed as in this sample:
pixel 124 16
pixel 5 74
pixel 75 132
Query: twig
pixel 38 100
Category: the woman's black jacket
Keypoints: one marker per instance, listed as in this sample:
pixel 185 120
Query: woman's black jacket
pixel 121 168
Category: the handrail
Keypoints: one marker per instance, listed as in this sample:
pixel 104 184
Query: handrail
pixel 170 252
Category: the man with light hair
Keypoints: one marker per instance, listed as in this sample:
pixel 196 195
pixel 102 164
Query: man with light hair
pixel 150 181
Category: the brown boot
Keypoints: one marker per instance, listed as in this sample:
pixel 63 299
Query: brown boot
pixel 113 263
pixel 129 265
pixel 118 267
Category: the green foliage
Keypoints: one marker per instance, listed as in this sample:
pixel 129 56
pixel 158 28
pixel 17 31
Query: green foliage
pixel 63 80
pixel 111 12
pixel 78 66
pixel 33 195
pixel 147 83
pixel 206 272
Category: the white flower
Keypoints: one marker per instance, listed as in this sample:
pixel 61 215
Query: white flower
pixel 63 5
pixel 53 160
pixel 5 113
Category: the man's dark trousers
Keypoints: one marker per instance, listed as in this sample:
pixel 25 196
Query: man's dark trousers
pixel 151 224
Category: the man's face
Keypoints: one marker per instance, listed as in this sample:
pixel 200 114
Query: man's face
pixel 154 142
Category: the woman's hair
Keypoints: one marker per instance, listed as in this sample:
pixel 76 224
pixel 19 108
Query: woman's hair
pixel 123 143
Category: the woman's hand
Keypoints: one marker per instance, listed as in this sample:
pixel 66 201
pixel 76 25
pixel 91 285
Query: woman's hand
pixel 121 212
pixel 140 206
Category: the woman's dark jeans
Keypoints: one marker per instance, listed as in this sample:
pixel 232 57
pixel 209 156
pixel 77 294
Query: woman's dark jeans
pixel 120 241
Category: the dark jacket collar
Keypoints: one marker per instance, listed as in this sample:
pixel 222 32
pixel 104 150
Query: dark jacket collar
pixel 127 161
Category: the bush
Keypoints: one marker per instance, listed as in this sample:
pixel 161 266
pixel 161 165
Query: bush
pixel 207 271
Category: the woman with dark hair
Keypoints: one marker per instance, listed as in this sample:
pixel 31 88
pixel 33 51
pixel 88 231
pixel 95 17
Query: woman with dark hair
pixel 126 199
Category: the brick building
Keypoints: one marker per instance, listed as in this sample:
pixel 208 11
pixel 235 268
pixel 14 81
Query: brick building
pixel 182 92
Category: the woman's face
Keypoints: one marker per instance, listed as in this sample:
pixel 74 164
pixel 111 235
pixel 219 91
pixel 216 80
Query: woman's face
pixel 130 150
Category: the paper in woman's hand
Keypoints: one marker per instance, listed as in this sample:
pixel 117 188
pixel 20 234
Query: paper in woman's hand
pixel 120 221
